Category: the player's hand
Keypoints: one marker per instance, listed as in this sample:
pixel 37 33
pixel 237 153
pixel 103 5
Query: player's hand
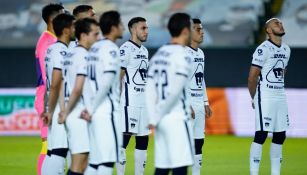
pixel 208 111
pixel 47 117
pixel 62 117
pixel 151 126
pixel 253 104
pixel 192 113
pixel 85 115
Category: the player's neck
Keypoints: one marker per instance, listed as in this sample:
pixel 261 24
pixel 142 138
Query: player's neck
pixel 64 39
pixel 110 37
pixel 84 44
pixel 136 41
pixel 194 45
pixel 276 40
pixel 178 40
pixel 50 29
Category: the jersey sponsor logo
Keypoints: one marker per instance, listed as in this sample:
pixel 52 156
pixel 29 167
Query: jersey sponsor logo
pixel 198 60
pixel 140 57
pixel 140 75
pixel 279 56
pixel 198 78
pixel 276 74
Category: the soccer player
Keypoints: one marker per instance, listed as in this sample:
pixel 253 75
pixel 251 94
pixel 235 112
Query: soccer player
pixel 49 12
pixel 64 30
pixel 266 87
pixel 197 93
pixel 166 100
pixel 134 65
pixel 75 72
pixel 104 71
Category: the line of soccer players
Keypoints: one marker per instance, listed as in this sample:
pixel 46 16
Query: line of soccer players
pixel 99 95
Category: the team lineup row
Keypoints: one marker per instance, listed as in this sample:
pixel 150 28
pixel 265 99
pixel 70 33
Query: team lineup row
pixel 97 95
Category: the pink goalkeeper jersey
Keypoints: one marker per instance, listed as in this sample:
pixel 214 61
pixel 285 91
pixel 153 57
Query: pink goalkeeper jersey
pixel 45 40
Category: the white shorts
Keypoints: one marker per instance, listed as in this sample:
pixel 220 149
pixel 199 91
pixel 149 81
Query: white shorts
pixel 134 120
pixel 49 145
pixel 106 138
pixel 77 132
pixel 271 115
pixel 174 144
pixel 199 121
pixel 58 132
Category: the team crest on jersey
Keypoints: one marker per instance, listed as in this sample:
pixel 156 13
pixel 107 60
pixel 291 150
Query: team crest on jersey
pixel 63 53
pixel 198 78
pixel 260 52
pixel 139 77
pixel 276 74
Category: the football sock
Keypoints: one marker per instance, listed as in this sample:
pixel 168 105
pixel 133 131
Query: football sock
pixel 255 158
pixel 120 166
pixel 140 157
pixel 276 158
pixel 197 164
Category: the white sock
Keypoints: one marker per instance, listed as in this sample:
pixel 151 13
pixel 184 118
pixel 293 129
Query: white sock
pixel 120 166
pixel 90 170
pixel 45 165
pixel 56 165
pixel 255 158
pixel 140 157
pixel 103 170
pixel 276 158
pixel 197 164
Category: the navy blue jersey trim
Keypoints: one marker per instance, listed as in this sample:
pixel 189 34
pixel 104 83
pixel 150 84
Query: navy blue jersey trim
pixel 259 104
pixel 110 71
pixel 82 75
pixel 185 75
pixel 257 66
pixel 134 43
pixel 56 68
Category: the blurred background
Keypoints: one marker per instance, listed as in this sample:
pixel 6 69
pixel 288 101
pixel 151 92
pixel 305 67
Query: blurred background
pixel 233 29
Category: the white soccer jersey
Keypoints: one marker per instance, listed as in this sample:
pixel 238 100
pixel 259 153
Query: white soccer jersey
pixel 170 61
pixel 54 60
pixel 75 63
pixel 197 86
pixel 134 60
pixel 104 58
pixel 273 61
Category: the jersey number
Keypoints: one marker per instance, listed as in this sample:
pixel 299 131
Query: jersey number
pixel 66 92
pixel 92 73
pixel 161 81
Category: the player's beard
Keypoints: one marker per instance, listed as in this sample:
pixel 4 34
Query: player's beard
pixel 279 34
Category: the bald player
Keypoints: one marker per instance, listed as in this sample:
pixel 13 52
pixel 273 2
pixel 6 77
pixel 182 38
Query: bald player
pixel 266 87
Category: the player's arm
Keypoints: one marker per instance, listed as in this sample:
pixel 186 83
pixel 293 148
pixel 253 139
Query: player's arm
pixel 254 73
pixel 61 96
pixel 55 88
pixel 151 97
pixel 74 97
pixel 208 110
pixel 124 56
pixel 107 79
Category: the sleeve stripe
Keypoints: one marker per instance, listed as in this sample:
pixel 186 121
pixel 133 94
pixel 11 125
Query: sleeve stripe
pixel 123 68
pixel 178 73
pixel 110 71
pixel 149 76
pixel 56 68
pixel 257 66
pixel 81 75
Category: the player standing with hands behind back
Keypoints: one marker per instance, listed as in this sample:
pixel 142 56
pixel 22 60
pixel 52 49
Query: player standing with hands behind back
pixel 266 87
pixel 134 65
pixel 166 100
pixel 198 93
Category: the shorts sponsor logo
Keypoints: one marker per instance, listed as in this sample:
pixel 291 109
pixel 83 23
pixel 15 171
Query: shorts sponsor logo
pixel 267 124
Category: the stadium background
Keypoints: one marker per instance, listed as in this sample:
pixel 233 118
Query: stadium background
pixel 233 29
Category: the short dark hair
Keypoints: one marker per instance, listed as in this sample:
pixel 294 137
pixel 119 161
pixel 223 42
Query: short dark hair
pixel 62 21
pixel 49 10
pixel 196 21
pixel 135 20
pixel 81 9
pixel 84 26
pixel 177 23
pixel 107 20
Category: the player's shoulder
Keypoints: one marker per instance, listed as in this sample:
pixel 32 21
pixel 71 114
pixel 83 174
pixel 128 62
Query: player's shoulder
pixel 286 47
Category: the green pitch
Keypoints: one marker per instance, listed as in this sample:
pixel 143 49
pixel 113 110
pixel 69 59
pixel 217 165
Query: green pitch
pixel 223 155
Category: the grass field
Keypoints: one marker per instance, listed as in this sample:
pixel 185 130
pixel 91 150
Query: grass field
pixel 223 155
